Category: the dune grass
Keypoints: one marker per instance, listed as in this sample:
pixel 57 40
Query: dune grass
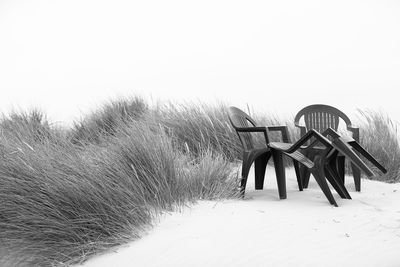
pixel 68 194
pixel 31 125
pixel 63 201
pixel 196 127
pixel 108 119
pixel 380 138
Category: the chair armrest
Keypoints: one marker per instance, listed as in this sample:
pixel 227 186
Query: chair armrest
pixel 251 129
pixel 284 132
pixel 330 132
pixel 306 137
pixel 261 129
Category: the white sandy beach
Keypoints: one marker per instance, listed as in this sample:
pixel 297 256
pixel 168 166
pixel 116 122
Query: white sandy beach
pixel 262 230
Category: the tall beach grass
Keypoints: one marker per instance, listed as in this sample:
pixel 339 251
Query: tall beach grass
pixel 63 201
pixel 380 138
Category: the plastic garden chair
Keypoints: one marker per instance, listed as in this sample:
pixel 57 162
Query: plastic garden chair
pixel 245 126
pixel 321 117
pixel 259 155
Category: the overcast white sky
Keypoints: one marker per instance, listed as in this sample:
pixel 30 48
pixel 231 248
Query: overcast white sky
pixel 67 57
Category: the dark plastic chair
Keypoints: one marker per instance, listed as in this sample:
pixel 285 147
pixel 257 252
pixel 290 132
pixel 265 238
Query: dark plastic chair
pixel 321 117
pixel 245 125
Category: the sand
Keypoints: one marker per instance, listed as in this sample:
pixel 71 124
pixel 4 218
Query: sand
pixel 262 230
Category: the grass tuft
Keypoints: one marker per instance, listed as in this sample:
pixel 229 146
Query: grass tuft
pixel 29 126
pixel 379 136
pixel 199 127
pixel 108 119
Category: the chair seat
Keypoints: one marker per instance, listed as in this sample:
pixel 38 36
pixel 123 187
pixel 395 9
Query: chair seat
pixel 296 154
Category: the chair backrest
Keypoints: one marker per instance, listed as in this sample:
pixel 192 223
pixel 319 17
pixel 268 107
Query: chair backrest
pixel 240 119
pixel 320 117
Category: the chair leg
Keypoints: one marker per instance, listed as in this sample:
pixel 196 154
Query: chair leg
pixel 356 171
pixel 245 173
pixel 306 177
pixel 340 166
pixel 357 177
pixel 280 173
pixel 334 171
pixel 334 179
pixel 319 175
pixel 259 168
pixel 298 175
pixel 305 172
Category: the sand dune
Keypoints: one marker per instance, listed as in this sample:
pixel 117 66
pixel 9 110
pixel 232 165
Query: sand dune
pixel 261 230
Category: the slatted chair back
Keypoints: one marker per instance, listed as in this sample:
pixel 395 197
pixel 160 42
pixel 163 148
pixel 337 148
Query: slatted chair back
pixel 240 119
pixel 320 117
